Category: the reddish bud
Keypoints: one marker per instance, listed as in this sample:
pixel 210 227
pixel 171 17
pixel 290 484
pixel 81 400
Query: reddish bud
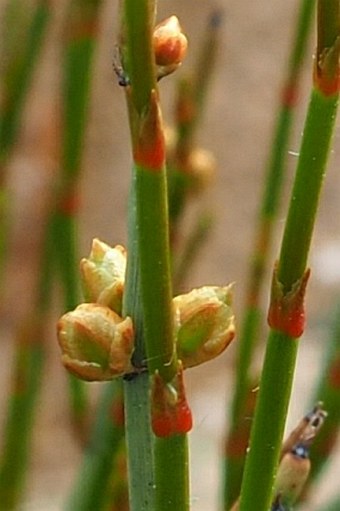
pixel 170 45
pixel 170 412
pixel 286 311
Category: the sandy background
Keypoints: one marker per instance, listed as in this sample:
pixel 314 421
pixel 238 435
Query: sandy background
pixel 237 129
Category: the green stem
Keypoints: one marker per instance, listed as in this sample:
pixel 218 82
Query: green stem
pixel 172 454
pixel 307 186
pixel 139 20
pixel 263 239
pixel 63 229
pixel 26 383
pixel 27 374
pixel 78 50
pixel 267 431
pixel 16 80
pixel 197 87
pixel 192 97
pixel 277 375
pixel 136 391
pixel 79 45
pixel 153 254
pixel 101 453
pixel 193 244
pixel 19 74
pixel 92 486
pixel 139 444
pixel 155 272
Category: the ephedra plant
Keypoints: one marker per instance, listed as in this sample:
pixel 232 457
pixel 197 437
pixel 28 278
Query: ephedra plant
pixel 133 330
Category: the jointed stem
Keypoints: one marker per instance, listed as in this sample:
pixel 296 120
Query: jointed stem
pixel 149 238
pixel 263 239
pixel 281 351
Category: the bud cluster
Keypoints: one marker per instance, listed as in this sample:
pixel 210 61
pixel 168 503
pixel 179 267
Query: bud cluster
pixel 97 343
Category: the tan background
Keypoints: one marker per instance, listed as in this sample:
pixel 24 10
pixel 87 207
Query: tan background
pixel 237 128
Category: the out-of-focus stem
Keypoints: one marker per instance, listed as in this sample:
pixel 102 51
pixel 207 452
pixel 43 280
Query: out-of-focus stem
pixel 261 250
pixel 286 316
pixel 328 392
pixel 16 80
pixel 26 383
pixel 18 75
pixel 26 380
pixel 192 96
pixel 79 44
pixel 333 505
pixel 198 85
pixel 92 487
pixel 193 243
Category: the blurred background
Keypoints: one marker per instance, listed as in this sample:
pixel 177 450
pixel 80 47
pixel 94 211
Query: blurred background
pixel 236 126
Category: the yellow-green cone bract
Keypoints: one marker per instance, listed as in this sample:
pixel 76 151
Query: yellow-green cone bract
pixel 96 343
pixel 204 324
pixel 103 274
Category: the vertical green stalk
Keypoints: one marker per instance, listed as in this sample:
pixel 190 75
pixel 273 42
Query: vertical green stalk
pixel 193 243
pixel 136 390
pixel 17 75
pixel 25 386
pixel 78 49
pixel 266 220
pixel 92 487
pixel 139 440
pixel 63 226
pixel 286 313
pixel 170 465
pixel 17 71
pixel 198 84
pixel 59 233
pixel 191 100
pixel 26 383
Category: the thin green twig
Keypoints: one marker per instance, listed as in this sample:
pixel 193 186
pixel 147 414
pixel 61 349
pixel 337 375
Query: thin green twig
pixel 268 211
pixel 190 104
pixel 78 49
pixel 26 384
pixel 17 69
pixel 92 487
pixel 286 310
pixel 171 492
